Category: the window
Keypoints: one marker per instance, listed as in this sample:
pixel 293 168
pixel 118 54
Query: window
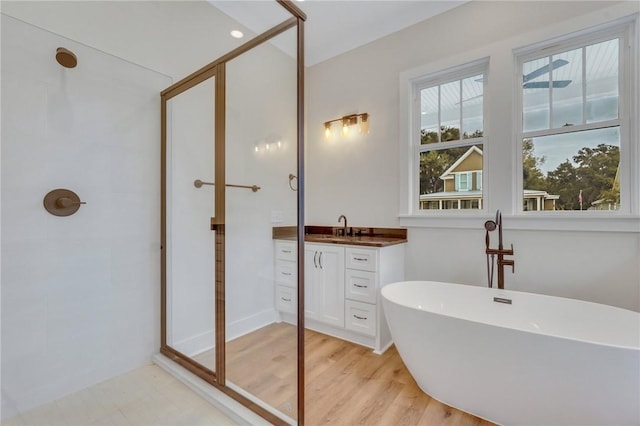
pixel 449 111
pixel 572 128
pixel 462 181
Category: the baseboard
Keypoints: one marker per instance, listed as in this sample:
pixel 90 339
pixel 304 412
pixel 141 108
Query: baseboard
pixel 194 345
pixel 202 342
pixel 244 326
pixel 384 348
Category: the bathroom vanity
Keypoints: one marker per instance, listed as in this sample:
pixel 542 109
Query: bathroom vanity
pixel 343 278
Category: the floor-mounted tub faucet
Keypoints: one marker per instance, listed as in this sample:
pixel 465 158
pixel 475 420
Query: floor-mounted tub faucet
pixel 500 252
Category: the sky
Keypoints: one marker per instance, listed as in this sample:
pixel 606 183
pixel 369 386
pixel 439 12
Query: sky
pixel 558 148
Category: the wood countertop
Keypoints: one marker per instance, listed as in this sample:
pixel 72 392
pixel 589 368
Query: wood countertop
pixel 362 236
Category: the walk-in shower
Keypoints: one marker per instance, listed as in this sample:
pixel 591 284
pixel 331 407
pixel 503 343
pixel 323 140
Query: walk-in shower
pixel 231 135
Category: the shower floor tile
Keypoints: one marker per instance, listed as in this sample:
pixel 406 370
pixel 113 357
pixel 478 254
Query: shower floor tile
pixel 145 396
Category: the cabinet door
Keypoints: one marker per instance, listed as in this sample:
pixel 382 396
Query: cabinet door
pixel 312 292
pixel 331 273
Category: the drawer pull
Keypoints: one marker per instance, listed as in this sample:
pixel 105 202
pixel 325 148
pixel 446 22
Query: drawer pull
pixel 360 318
pixel 360 286
pixel 286 273
pixel 360 259
pixel 286 300
pixel 286 251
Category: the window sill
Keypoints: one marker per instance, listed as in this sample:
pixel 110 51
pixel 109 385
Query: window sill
pixel 527 222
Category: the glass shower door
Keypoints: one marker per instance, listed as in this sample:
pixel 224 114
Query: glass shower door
pixel 190 279
pixel 261 105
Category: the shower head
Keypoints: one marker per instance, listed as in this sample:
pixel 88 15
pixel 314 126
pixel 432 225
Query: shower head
pixel 66 58
pixel 490 225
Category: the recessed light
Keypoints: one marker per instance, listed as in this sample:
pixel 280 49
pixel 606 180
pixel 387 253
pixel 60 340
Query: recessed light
pixel 236 34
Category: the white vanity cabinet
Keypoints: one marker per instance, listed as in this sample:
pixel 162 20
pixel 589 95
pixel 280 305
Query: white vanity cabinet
pixel 342 289
pixel 324 283
pixel 361 290
pixel 286 276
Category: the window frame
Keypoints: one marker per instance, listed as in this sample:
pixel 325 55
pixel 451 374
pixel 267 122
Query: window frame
pixel 500 188
pixel 627 103
pixel 433 79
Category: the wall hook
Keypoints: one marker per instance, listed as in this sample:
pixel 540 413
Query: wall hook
pixel 291 178
pixel 62 202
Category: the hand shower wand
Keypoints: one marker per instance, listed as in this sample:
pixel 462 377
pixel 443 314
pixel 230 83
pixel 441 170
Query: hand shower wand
pixel 489 226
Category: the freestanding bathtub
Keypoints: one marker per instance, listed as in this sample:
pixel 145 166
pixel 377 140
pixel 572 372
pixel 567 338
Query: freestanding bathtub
pixel 541 360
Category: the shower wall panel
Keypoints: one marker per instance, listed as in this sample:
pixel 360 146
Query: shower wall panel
pixel 80 294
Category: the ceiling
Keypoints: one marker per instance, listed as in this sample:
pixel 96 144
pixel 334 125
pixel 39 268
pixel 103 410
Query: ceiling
pixel 337 26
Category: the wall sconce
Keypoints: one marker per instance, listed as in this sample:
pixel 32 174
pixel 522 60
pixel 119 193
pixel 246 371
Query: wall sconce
pixel 346 122
pixel 271 144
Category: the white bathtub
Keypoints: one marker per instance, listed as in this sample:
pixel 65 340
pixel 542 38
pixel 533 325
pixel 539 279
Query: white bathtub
pixel 541 360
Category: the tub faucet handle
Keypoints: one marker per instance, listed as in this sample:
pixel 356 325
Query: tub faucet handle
pixel 510 262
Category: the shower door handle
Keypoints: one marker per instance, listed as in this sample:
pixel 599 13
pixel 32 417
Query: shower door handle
pixel 216 224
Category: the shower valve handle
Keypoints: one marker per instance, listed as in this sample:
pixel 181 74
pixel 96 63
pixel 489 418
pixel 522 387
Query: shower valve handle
pixel 64 202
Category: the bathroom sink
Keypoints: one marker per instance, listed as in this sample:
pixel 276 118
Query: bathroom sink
pixel 329 238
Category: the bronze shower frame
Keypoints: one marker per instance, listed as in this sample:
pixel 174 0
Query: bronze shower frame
pixel 217 69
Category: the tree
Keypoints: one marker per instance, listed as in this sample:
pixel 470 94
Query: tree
pixel 533 178
pixel 596 173
pixel 562 182
pixel 434 163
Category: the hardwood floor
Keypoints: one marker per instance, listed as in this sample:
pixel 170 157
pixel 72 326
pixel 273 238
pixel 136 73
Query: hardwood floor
pixel 346 384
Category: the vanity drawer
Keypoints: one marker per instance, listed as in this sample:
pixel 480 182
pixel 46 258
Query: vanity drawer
pixel 360 317
pixel 286 273
pixel 362 259
pixel 286 250
pixel 286 299
pixel 360 285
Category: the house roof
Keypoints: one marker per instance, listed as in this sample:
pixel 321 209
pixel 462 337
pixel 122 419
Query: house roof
pixel 530 193
pixel 451 195
pixel 459 161
pixel 459 195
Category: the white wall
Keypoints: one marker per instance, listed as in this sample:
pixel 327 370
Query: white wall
pixel 119 247
pixel 79 293
pixel 361 178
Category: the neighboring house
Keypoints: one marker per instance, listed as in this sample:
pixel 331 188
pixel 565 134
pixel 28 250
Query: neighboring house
pixel 463 188
pixel 538 200
pixel 612 202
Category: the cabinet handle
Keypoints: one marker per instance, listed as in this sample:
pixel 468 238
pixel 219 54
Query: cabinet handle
pixel 286 300
pixel 320 261
pixel 360 286
pixel 315 254
pixel 286 251
pixel 360 318
pixel 360 259
pixel 286 273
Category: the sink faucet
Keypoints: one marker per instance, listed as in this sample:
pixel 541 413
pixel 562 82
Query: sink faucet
pixel 344 228
pixel 501 252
